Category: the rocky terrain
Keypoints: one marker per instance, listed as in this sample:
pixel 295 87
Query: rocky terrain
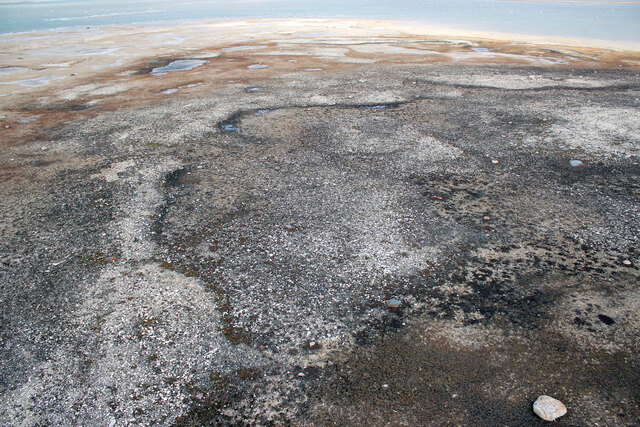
pixel 229 257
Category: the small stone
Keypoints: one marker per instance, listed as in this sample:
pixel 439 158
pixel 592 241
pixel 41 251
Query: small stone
pixel 548 408
pixel 7 126
pixel 576 163
pixel 486 218
pixel 626 262
pixel 301 374
pixel 393 303
pixel 495 162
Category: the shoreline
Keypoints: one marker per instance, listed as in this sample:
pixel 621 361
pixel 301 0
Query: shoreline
pixel 413 27
pixel 76 73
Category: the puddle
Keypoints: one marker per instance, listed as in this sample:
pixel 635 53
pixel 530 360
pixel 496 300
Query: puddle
pixel 10 70
pixel 480 49
pixel 229 126
pixel 174 90
pixel 257 66
pixel 40 81
pixel 231 49
pixel 180 65
pixel 263 111
pixel 378 106
pixel 252 89
pixel 312 69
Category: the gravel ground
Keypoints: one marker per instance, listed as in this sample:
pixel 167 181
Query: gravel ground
pixel 229 258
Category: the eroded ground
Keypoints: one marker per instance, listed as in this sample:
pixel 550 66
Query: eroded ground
pixel 227 257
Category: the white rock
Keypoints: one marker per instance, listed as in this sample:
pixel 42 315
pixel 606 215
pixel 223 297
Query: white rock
pixel 549 408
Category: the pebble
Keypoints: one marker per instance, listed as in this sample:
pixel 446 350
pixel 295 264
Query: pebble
pixel 548 408
pixel 393 303
pixel 626 262
pixel 495 162
pixel 576 163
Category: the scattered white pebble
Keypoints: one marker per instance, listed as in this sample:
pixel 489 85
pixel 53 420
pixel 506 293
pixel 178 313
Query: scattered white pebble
pixel 576 163
pixel 548 408
pixel 626 262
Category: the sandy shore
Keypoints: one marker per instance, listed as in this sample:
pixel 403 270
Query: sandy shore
pixel 52 77
pixel 321 223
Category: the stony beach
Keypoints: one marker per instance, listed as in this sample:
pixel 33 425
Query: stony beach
pixel 317 222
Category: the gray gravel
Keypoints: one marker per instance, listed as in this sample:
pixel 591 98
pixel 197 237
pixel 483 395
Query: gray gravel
pixel 229 259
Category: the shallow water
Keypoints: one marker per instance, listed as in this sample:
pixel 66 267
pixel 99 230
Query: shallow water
pixel 257 66
pixel 601 19
pixel 10 70
pixel 180 65
pixel 40 81
pixel 174 90
pixel 231 49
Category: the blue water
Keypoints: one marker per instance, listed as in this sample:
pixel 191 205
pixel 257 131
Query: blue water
pixel 604 20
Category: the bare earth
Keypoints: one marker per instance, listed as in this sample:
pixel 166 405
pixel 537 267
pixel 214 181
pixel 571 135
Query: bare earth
pixel 218 246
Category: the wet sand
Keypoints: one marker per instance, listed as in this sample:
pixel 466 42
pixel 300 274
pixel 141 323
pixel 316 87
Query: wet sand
pixel 219 244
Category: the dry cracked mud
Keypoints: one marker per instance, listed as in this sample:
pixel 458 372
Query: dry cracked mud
pixel 227 258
